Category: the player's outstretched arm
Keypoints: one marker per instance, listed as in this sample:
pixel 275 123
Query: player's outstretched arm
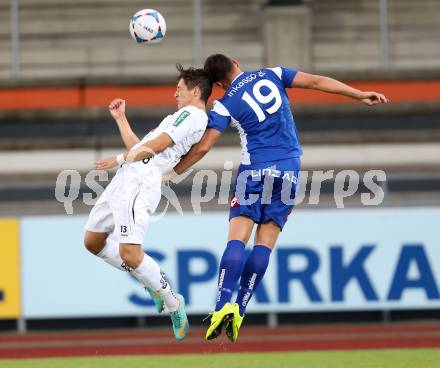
pixel 149 149
pixel 117 110
pixel 330 85
pixel 198 151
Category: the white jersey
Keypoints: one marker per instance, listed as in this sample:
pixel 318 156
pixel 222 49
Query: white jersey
pixel 135 191
pixel 185 127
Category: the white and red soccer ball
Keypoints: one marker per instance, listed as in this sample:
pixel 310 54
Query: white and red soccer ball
pixel 147 26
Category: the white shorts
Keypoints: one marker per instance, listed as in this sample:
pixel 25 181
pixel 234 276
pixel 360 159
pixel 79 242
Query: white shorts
pixel 125 206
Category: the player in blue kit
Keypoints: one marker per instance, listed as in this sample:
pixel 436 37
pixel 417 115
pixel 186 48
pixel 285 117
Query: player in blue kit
pixel 256 103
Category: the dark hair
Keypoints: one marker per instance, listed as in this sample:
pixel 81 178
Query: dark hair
pixel 217 67
pixel 196 78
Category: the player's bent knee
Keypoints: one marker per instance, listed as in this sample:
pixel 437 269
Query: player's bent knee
pixel 94 242
pixel 91 246
pixel 131 254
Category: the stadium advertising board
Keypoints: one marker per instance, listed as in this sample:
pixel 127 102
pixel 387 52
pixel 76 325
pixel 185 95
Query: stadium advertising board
pixel 367 259
pixel 9 269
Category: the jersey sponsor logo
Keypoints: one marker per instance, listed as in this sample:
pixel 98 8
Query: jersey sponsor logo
pixel 286 175
pixel 181 118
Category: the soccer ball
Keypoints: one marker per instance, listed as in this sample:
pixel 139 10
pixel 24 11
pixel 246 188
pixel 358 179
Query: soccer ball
pixel 147 26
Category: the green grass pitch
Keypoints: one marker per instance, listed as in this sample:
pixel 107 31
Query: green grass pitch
pixel 408 358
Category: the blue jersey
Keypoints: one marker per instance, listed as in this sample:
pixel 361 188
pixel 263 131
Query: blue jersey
pixel 257 105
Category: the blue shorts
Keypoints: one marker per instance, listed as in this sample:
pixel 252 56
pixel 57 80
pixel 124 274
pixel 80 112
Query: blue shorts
pixel 265 191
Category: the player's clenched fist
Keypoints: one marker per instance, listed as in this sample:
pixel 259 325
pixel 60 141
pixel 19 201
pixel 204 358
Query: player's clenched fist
pixel 117 108
pixel 372 98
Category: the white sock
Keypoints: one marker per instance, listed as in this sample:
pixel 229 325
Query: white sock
pixel 148 272
pixel 110 254
pixel 171 302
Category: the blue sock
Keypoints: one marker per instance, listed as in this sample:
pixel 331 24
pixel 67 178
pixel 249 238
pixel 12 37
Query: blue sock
pixel 253 272
pixel 229 272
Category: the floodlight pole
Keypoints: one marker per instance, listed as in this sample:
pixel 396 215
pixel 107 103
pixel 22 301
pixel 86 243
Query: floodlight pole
pixel 198 32
pixel 383 29
pixel 15 39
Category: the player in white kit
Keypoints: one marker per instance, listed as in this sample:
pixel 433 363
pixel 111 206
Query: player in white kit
pixel 134 193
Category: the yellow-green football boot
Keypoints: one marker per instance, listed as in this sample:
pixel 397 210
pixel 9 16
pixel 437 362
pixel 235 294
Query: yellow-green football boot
pixel 234 324
pixel 218 319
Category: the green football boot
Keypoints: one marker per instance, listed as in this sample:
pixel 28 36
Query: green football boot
pixel 180 320
pixel 157 299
